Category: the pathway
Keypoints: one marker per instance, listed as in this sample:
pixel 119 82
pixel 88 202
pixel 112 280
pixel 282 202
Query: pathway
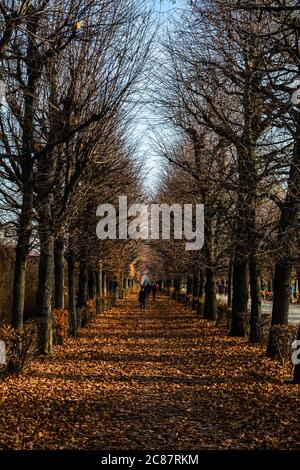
pixel 161 379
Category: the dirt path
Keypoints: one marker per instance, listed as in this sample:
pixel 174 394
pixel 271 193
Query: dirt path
pixel 161 379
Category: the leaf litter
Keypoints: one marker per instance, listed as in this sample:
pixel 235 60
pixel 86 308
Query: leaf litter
pixel 159 379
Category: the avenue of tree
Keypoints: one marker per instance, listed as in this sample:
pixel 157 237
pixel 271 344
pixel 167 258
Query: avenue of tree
pixel 72 72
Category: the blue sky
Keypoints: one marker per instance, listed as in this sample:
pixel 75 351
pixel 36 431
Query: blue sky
pixel 146 119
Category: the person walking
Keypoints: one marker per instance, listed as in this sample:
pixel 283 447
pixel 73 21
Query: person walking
pixel 292 289
pixel 221 289
pixel 142 297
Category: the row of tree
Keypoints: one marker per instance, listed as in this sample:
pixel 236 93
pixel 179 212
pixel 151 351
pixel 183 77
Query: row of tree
pixel 69 70
pixel 226 85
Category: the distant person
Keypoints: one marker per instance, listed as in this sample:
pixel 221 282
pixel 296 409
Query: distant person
pixel 221 289
pixel 154 290
pixel 142 297
pixel 292 289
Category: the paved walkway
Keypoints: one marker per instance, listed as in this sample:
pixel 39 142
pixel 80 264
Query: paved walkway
pixel 294 309
pixel 161 379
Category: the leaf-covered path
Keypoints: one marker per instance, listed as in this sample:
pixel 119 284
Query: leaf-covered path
pixel 161 379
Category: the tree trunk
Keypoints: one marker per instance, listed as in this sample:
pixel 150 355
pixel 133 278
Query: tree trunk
pixel 270 283
pixel 245 232
pixel 296 379
pixel 281 299
pixel 239 297
pixel 45 289
pixel 191 291
pixel 91 284
pixel 99 290
pixel 297 289
pixel 229 284
pixel 59 272
pixel 201 283
pixel 32 70
pixel 71 289
pixel 121 287
pixel 110 289
pixel 104 290
pixel 210 304
pixel 125 285
pixel 116 292
pixel 281 303
pixel 176 285
pixel 22 249
pixel 255 317
pixel 195 292
pixel 82 314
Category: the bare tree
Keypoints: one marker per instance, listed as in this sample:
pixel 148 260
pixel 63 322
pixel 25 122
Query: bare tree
pixel 109 54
